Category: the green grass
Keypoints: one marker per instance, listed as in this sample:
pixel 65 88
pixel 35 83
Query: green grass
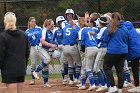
pixel 39 60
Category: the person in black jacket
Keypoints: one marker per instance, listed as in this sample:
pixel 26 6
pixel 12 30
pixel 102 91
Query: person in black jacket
pixel 14 53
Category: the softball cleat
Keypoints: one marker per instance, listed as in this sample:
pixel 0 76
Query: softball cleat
pixel 32 82
pixel 82 87
pixel 47 85
pixel 36 75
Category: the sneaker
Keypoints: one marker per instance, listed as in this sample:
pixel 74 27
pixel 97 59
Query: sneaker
pixel 112 89
pixel 47 85
pixel 125 85
pixel 79 85
pixel 92 87
pixel 135 89
pixel 36 75
pixel 102 88
pixel 138 89
pixel 65 81
pixel 32 82
pixel 82 87
pixel 120 91
pixel 76 81
pixel 71 83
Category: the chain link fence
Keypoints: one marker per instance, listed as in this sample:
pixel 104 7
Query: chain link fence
pixel 44 9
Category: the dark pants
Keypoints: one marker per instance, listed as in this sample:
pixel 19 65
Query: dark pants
pixel 135 70
pixel 116 60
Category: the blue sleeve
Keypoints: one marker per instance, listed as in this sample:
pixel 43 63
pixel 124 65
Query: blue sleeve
pixel 54 37
pixel 97 40
pixel 97 31
pixel 26 33
pixel 82 42
pixel 106 37
pixel 40 33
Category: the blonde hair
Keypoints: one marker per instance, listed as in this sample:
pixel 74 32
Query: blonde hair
pixel 10 21
pixel 116 17
pixel 29 21
pixel 82 22
pixel 95 15
pixel 44 24
pixel 47 22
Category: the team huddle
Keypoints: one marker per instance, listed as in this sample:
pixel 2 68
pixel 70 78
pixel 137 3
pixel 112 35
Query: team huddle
pixel 87 48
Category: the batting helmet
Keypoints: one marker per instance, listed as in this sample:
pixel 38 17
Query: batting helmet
pixel 56 54
pixel 59 18
pixel 69 11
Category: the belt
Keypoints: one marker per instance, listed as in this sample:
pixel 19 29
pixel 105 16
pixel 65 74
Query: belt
pixel 69 44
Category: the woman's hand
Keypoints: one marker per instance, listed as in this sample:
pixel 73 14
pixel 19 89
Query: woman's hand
pixel 91 33
pixel 54 46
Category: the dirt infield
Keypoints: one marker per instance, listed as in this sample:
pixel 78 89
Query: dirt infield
pixel 57 87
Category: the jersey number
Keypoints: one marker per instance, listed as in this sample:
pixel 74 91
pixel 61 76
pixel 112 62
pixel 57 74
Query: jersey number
pixel 68 31
pixel 90 36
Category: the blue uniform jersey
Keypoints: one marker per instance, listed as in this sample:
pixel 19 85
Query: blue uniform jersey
pixel 65 23
pixel 89 40
pixel 99 37
pixel 47 36
pixel 70 35
pixel 134 42
pixel 34 35
pixel 95 29
pixel 58 36
pixel 117 41
pixel 80 35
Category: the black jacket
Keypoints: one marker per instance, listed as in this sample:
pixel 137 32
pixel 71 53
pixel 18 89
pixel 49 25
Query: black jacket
pixel 14 53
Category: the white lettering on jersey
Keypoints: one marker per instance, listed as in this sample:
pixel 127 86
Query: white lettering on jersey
pixel 68 31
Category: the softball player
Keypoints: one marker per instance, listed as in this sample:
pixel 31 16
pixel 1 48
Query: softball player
pixel 38 39
pixel 92 25
pixel 96 17
pixel 82 24
pixel 69 17
pixel 71 51
pixel 69 14
pixel 127 79
pixel 58 37
pixel 34 33
pixel 69 20
pixel 46 42
pixel 90 54
pixel 98 65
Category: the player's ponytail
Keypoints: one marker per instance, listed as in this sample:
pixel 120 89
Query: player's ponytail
pixel 116 17
pixel 47 22
pixel 10 21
